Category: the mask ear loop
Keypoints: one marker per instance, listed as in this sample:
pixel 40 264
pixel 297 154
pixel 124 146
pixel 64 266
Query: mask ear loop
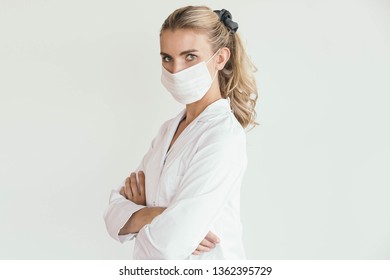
pixel 213 56
pixel 216 72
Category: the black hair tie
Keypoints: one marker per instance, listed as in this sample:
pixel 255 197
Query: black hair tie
pixel 226 17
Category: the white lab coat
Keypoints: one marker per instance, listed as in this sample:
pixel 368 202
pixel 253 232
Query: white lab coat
pixel 198 180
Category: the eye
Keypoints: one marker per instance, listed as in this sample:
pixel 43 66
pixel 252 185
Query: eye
pixel 166 58
pixel 190 57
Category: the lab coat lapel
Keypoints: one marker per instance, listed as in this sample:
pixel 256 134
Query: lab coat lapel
pixel 196 127
pixel 170 133
pixel 180 143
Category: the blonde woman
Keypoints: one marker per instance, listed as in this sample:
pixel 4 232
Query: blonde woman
pixel 183 202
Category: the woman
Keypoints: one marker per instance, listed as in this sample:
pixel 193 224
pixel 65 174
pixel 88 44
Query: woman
pixel 185 201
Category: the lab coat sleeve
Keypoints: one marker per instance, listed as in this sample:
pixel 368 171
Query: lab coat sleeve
pixel 213 173
pixel 120 209
pixel 118 213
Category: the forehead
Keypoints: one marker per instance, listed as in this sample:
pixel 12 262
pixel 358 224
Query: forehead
pixel 175 41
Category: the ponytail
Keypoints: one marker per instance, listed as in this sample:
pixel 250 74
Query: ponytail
pixel 237 82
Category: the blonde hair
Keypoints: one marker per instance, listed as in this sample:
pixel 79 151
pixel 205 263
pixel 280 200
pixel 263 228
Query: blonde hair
pixel 236 80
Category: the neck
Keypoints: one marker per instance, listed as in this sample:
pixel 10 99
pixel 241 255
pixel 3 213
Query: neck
pixel 193 110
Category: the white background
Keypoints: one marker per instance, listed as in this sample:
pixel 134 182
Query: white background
pixel 81 99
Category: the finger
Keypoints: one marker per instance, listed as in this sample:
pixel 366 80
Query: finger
pixel 128 193
pixel 133 184
pixel 202 248
pixel 122 192
pixel 141 181
pixel 197 253
pixel 207 243
pixel 212 237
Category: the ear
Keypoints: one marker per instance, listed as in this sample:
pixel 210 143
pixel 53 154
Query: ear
pixel 222 58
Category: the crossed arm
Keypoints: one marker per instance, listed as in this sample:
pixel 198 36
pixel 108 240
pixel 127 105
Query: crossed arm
pixel 135 192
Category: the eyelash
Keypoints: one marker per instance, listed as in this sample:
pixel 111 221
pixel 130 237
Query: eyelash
pixel 192 55
pixel 167 58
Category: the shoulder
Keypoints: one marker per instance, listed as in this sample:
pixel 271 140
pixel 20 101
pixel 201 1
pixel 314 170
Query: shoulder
pixel 223 143
pixel 224 130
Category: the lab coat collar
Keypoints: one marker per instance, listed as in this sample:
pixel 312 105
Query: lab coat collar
pixel 215 109
pixel 212 111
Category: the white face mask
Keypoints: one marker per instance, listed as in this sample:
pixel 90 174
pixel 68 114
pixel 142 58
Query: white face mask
pixel 189 85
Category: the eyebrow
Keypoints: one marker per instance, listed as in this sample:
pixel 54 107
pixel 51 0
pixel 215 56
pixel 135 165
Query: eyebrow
pixel 182 53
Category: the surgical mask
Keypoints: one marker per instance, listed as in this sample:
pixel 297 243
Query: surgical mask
pixel 189 85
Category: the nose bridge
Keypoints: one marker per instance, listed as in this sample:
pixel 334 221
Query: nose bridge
pixel 177 66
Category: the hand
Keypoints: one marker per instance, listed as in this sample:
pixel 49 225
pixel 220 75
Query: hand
pixel 140 218
pixel 133 190
pixel 207 244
